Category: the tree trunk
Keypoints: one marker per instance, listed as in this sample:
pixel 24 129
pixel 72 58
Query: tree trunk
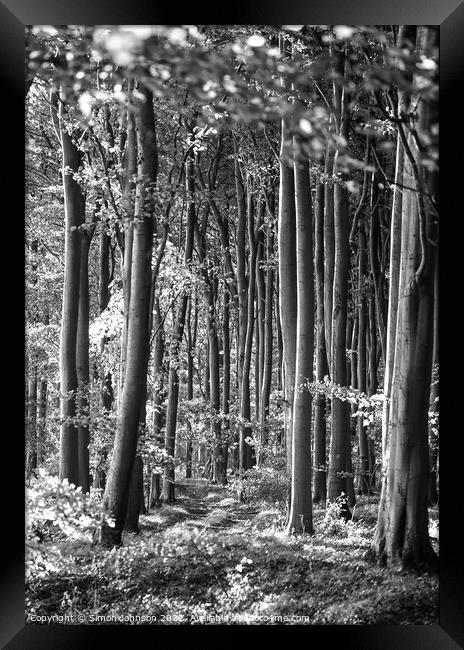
pixel 158 395
pixel 103 300
pixel 300 515
pixel 395 252
pixel 268 341
pixel 42 422
pixel 167 495
pixel 434 392
pixel 353 368
pixel 245 450
pixel 190 352
pixel 401 536
pixel 242 286
pixel 74 217
pixel 135 500
pixel 134 388
pixel 82 361
pixel 129 190
pixel 374 261
pixel 372 381
pixel 260 316
pixel 340 409
pixel 226 379
pixel 363 478
pixel 329 253
pixel 287 280
pixel 320 476
pixel 32 427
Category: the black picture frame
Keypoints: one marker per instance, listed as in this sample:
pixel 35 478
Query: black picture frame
pixel 14 15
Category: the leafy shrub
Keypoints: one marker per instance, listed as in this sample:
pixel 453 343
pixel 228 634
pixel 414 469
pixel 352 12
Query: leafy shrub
pixel 56 511
pixel 268 484
pixel 334 522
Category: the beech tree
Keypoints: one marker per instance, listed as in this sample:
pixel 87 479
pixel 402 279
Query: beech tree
pixel 74 205
pixel 300 516
pixel 401 536
pixel 134 390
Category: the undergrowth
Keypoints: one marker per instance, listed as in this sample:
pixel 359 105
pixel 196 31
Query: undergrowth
pixel 209 559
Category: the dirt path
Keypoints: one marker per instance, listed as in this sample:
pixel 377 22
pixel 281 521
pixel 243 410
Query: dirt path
pixel 200 504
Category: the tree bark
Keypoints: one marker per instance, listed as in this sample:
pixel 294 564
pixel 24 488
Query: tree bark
pixel 287 280
pixel 168 495
pixel 74 216
pixel 300 515
pixel 82 361
pixel 245 450
pixel 401 536
pixel 42 421
pixel 134 389
pixel 268 341
pixel 340 409
pixel 320 475
pixel 395 252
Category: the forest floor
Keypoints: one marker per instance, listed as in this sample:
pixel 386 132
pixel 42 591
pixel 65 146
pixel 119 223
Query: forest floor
pixel 209 559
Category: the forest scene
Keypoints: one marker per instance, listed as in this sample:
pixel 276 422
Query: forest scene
pixel 232 352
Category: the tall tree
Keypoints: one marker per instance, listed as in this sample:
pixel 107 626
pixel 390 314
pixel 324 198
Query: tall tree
pixel 401 535
pixel 173 381
pixel 74 205
pixel 340 408
pixel 320 474
pixel 134 389
pixel 287 277
pixel 300 515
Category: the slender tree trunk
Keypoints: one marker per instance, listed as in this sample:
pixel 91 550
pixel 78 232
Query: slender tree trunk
pixel 190 352
pixel 329 252
pixel 226 379
pixel 434 392
pixel 395 252
pixel 372 381
pixel 280 356
pixel 374 261
pixel 242 285
pixel 42 421
pixel 158 395
pixel 354 383
pixel 260 316
pixel 245 450
pixel 363 479
pixel 287 280
pixel 300 515
pixel 134 389
pixel 268 341
pixel 129 190
pixel 32 422
pixel 173 386
pixel 320 475
pixel 340 409
pixel 103 301
pixel 82 361
pixel 74 217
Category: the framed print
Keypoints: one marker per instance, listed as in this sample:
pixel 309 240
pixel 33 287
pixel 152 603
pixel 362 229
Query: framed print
pixel 179 239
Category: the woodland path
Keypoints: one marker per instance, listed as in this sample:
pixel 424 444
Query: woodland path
pixel 247 554
pixel 200 504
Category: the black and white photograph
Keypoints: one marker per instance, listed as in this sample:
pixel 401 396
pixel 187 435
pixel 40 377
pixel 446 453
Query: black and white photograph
pixel 232 331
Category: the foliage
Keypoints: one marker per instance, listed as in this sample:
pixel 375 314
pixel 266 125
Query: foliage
pixel 264 484
pixel 246 571
pixel 57 511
